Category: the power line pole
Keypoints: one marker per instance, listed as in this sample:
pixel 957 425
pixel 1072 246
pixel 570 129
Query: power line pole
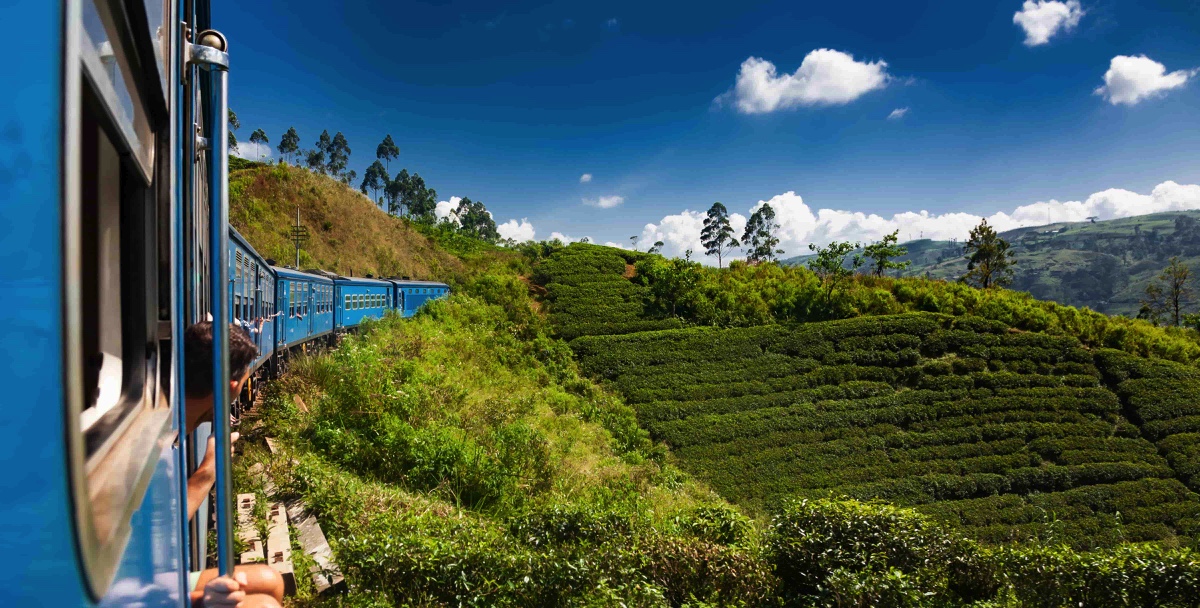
pixel 299 237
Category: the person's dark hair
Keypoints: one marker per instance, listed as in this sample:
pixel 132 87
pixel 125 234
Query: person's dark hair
pixel 197 357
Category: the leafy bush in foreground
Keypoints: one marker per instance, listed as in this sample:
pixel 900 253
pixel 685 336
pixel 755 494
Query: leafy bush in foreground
pixel 847 553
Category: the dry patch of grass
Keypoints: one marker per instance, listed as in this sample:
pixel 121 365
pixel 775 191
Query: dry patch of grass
pixel 348 233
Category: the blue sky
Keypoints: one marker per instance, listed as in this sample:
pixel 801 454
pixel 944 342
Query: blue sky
pixel 672 106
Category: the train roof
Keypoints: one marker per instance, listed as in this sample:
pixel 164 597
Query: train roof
pixel 299 274
pixel 421 283
pixel 243 243
pixel 362 281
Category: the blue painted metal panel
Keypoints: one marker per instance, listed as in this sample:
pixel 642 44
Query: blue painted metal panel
pixel 35 534
pixel 361 299
pixel 412 295
pixel 251 292
pixel 36 531
pixel 300 320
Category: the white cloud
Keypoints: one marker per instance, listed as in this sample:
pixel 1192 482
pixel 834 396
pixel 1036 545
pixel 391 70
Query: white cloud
pixel 1133 79
pixel 518 231
pixel 681 232
pixel 825 77
pixel 897 114
pixel 567 238
pixel 1042 19
pixel 252 151
pixel 585 178
pixel 604 202
pixel 799 225
pixel 445 210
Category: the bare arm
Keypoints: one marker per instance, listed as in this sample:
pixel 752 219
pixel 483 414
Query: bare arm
pixel 202 480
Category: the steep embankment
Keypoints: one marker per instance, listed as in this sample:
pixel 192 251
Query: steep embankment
pixel 347 233
pixel 1007 434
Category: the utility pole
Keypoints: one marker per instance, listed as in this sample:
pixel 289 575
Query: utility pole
pixel 299 237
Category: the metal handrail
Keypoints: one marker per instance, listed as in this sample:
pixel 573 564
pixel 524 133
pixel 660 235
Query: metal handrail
pixel 210 53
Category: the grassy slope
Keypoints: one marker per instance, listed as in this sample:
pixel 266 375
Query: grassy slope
pixel 1009 434
pixel 349 234
pixel 1060 266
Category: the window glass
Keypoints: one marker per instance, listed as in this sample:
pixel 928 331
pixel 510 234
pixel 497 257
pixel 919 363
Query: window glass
pixel 157 16
pixel 107 65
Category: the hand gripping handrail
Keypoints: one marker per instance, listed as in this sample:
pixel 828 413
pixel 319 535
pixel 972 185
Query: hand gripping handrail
pixel 210 53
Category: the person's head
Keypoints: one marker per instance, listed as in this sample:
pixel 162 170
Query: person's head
pixel 198 367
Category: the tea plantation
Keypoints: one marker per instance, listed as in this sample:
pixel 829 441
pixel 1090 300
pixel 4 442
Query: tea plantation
pixel 590 295
pixel 1008 435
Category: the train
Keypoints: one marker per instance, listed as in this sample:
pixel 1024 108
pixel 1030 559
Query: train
pixel 310 307
pixel 115 238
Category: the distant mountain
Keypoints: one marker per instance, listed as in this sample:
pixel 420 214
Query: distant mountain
pixel 1102 265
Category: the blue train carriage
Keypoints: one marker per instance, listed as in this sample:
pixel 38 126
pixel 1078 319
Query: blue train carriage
pixel 306 307
pixel 253 295
pixel 106 235
pixel 411 295
pixel 359 299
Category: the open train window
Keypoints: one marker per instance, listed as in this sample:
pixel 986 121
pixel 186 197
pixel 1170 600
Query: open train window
pixel 117 202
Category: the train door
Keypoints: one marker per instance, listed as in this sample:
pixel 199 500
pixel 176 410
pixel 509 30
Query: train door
pixel 309 318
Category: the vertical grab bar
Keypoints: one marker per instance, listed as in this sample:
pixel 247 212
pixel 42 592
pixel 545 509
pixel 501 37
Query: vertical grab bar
pixel 210 53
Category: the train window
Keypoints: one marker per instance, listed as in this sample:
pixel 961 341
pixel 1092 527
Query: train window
pixel 115 215
pixel 108 66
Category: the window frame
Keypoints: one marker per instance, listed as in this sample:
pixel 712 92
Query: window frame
pixel 108 480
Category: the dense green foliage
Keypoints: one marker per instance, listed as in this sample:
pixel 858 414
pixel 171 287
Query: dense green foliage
pixel 588 293
pixel 453 461
pixel 846 553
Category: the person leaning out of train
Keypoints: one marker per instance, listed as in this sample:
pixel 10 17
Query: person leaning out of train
pixel 251 329
pixel 252 585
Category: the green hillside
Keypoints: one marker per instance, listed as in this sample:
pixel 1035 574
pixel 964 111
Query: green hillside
pixel 473 456
pixel 1103 265
pixel 1008 434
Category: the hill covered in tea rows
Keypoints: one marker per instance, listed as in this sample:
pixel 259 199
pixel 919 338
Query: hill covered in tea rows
pixel 968 415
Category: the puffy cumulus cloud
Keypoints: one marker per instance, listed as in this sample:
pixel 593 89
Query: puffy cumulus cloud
pixel 681 232
pixel 1042 19
pixel 799 225
pixel 1133 79
pixel 445 210
pixel 825 77
pixel 898 113
pixel 518 231
pixel 585 178
pixel 252 151
pixel 604 202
